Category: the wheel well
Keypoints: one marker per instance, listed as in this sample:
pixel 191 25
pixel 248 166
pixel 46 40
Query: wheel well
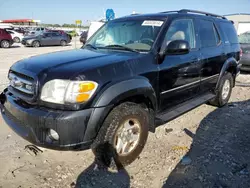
pixel 139 99
pixel 232 70
pixel 146 103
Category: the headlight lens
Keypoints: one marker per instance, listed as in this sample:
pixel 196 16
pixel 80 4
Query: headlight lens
pixel 65 91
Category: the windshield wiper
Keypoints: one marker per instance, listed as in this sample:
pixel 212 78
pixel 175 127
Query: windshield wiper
pixel 121 47
pixel 91 46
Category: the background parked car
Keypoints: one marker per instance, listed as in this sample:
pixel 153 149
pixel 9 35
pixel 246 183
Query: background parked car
pixel 46 39
pixel 17 37
pixel 62 33
pixel 36 31
pixel 20 30
pixel 244 40
pixel 5 39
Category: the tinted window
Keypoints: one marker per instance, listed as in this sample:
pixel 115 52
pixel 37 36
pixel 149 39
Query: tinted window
pixel 55 34
pixel 217 37
pixel 47 34
pixel 208 34
pixel 229 32
pixel 182 29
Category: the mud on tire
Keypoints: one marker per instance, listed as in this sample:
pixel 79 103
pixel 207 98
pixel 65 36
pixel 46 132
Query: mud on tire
pixel 104 145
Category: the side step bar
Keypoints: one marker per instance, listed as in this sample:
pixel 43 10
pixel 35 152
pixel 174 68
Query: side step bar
pixel 173 113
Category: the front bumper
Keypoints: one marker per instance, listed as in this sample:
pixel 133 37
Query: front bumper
pixel 32 123
pixel 26 43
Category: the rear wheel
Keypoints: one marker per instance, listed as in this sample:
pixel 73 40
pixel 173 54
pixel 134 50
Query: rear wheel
pixel 122 136
pixel 16 39
pixel 224 91
pixel 63 43
pixel 36 44
pixel 5 44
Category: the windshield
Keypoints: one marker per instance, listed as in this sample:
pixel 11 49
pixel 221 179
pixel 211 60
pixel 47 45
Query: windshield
pixel 134 34
pixel 244 38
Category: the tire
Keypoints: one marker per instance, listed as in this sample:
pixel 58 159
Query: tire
pixel 104 146
pixel 63 43
pixel 5 44
pixel 16 39
pixel 224 92
pixel 36 44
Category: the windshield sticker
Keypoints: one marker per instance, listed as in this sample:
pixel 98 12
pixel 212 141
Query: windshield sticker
pixel 152 23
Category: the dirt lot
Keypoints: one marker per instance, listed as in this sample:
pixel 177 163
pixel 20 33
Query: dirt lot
pixel 215 144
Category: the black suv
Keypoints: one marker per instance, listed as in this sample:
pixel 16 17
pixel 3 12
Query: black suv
pixel 133 71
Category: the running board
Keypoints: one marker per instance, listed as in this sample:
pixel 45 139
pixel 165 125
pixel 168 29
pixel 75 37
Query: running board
pixel 183 108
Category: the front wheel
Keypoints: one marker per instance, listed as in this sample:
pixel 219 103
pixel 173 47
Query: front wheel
pixel 36 44
pixel 122 136
pixel 224 91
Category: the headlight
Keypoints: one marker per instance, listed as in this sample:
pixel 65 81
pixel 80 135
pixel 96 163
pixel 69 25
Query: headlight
pixel 65 91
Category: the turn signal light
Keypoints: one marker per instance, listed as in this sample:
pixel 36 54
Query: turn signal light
pixel 82 97
pixel 85 87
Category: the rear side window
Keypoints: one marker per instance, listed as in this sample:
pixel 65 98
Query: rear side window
pixel 229 32
pixel 209 36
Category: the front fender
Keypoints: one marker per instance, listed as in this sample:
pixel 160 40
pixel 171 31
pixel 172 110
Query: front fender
pixel 125 89
pixel 111 96
pixel 230 63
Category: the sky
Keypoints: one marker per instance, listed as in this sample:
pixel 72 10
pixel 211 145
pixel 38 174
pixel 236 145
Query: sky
pixel 67 11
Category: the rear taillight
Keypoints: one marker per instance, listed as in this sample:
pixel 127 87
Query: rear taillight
pixel 241 53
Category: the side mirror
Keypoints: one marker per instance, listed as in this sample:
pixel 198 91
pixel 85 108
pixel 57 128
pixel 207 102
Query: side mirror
pixel 177 47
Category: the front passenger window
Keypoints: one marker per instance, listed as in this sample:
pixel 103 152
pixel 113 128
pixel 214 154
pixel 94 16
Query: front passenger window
pixel 181 29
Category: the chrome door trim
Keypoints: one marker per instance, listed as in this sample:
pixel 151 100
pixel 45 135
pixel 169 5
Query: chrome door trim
pixel 189 84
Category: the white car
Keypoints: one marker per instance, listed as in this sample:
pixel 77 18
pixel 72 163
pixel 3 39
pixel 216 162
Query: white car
pixel 17 37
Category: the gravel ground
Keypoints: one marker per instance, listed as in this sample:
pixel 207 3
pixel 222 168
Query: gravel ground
pixel 206 147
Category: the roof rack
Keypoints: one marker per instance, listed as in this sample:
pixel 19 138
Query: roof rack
pixel 172 11
pixel 185 11
pixel 201 12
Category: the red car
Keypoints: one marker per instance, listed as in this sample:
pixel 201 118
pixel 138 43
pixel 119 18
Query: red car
pixel 61 32
pixel 5 39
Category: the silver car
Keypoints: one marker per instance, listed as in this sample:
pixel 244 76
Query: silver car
pixel 46 39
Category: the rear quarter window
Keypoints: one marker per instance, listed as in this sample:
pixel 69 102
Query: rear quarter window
pixel 229 32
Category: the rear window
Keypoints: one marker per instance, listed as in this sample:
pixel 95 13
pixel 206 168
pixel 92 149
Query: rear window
pixel 229 32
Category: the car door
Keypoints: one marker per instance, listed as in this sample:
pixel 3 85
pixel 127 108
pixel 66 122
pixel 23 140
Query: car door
pixel 179 75
pixel 55 39
pixel 212 54
pixel 46 39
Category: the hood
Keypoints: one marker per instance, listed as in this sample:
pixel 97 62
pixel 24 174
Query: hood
pixel 66 64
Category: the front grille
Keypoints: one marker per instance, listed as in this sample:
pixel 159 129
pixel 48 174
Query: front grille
pixel 22 85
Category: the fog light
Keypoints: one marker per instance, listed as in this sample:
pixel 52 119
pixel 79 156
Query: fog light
pixel 53 135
